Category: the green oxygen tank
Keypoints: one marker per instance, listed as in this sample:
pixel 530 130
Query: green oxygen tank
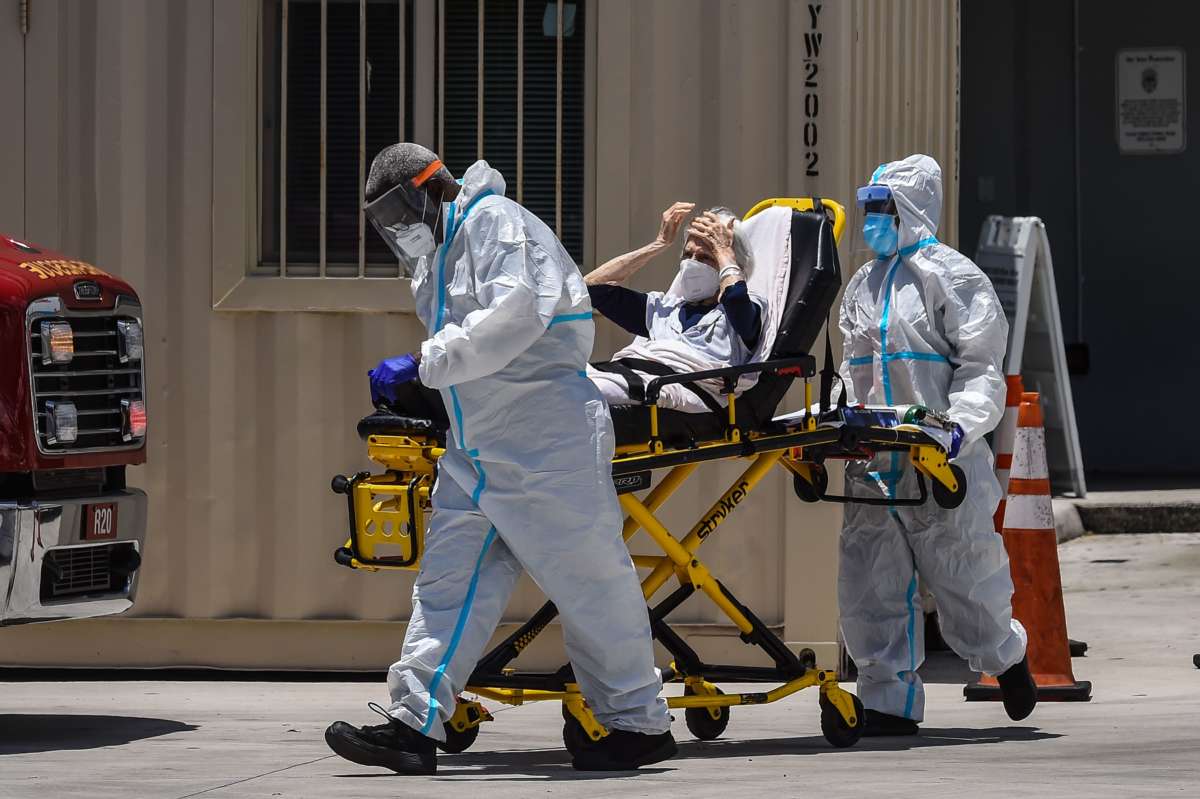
pixel 922 415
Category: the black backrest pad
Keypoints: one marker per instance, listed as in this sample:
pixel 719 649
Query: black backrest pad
pixel 815 280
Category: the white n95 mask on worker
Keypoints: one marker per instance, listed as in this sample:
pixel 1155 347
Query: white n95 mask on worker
pixel 697 280
pixel 410 243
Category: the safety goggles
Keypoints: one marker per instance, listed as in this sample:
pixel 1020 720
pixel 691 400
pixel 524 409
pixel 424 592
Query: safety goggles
pixel 405 204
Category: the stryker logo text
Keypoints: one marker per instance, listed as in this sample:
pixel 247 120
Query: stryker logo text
pixel 728 502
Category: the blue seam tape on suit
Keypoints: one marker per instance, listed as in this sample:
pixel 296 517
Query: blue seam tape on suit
pixel 887 380
pixel 909 355
pixel 891 480
pixel 458 417
pixel 453 226
pixel 459 626
pixel 883 329
pixel 912 655
pixel 453 223
pixel 925 242
pixel 864 360
pixel 569 317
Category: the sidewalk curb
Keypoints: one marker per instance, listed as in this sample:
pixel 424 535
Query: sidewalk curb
pixel 1068 523
pixel 1124 512
pixel 1155 517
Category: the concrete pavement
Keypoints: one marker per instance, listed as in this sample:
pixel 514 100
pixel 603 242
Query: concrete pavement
pixel 1132 598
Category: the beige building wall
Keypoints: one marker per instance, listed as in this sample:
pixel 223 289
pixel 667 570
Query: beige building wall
pixel 140 155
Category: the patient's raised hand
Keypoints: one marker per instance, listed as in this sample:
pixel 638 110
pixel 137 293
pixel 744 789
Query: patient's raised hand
pixel 672 220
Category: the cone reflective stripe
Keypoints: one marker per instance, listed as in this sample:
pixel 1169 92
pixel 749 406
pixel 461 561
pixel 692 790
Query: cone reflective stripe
pixel 1028 506
pixel 1032 546
pixel 1003 441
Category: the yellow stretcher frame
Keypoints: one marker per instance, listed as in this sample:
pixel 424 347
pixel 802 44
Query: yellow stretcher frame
pixel 411 461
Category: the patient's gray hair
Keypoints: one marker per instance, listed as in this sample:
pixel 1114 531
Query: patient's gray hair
pixel 741 247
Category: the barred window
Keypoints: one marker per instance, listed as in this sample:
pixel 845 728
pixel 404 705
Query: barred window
pixel 338 78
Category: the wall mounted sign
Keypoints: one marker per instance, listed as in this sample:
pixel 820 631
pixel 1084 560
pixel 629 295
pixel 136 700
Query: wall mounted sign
pixel 1151 107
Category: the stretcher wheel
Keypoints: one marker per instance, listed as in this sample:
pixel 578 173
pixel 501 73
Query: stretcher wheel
pixel 811 492
pixel 461 740
pixel 701 723
pixel 458 741
pixel 835 728
pixel 944 497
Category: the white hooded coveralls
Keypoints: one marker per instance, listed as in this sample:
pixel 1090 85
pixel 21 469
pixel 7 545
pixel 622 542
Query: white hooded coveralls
pixel 526 479
pixel 923 326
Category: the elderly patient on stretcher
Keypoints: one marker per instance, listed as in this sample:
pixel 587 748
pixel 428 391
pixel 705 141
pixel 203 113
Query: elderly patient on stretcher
pixel 707 319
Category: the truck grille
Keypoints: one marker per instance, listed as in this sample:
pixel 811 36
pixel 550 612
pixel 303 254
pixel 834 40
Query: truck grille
pixel 82 570
pixel 95 381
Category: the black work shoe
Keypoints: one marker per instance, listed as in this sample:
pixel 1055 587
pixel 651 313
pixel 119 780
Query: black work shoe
pixel 1018 690
pixel 392 745
pixel 885 725
pixel 622 750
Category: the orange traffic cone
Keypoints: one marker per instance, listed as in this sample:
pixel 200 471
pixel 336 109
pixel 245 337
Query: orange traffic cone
pixel 1006 435
pixel 1032 548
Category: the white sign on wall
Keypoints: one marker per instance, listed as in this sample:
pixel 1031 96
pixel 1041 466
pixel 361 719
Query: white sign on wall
pixel 1151 108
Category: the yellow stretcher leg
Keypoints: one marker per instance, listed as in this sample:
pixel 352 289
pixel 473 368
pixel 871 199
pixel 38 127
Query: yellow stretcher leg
pixel 575 704
pixel 932 461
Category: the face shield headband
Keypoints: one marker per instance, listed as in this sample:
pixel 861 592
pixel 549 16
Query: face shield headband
pixel 875 198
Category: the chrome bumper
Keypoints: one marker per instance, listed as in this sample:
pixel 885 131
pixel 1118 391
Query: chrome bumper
pixel 30 530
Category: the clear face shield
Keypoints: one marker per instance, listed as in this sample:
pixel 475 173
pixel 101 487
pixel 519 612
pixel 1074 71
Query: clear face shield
pixel 875 226
pixel 406 218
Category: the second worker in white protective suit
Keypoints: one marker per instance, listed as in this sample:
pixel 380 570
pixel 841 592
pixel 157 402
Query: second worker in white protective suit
pixel 525 483
pixel 922 325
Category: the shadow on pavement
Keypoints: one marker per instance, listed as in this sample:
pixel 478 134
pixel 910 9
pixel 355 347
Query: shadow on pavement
pixel 28 733
pixel 555 764
pixel 516 765
pixel 816 744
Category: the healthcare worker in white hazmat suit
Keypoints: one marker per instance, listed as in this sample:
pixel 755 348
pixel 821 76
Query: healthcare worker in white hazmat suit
pixel 526 479
pixel 922 325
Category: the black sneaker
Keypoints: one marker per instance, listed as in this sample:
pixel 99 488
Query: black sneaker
pixel 622 750
pixel 1018 690
pixel 885 725
pixel 392 745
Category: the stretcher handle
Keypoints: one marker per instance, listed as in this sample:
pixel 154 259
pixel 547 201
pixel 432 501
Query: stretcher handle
pixel 798 366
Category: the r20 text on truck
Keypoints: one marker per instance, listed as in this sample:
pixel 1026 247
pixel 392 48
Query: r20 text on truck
pixel 72 418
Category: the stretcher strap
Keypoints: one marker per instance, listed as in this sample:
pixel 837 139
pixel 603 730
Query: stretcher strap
pixel 828 373
pixel 637 386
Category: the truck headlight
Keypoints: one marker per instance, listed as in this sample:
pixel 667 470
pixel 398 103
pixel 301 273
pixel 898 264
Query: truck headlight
pixel 62 422
pixel 129 333
pixel 58 343
pixel 133 419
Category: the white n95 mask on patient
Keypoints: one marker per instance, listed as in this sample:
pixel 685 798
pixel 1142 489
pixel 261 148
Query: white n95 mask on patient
pixel 697 280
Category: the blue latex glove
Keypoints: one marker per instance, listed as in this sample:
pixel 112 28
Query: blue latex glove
pixel 956 439
pixel 390 374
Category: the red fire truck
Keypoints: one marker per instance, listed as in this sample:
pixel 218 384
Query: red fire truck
pixel 72 418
